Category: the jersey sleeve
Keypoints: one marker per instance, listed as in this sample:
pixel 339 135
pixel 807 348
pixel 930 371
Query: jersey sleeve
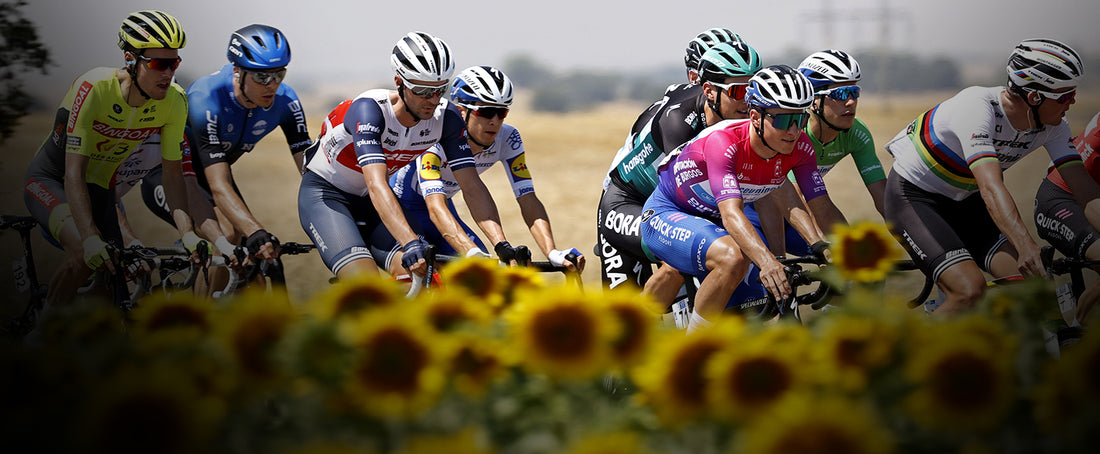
pixel 978 148
pixel 364 121
pixel 429 171
pixel 171 134
pixel 862 145
pixel 805 169
pixel 453 140
pixel 202 116
pixel 293 122
pixel 1060 147
pixel 515 157
pixel 82 102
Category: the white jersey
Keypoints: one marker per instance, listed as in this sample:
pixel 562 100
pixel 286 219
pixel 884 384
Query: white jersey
pixel 431 173
pixel 144 159
pixel 937 151
pixel 357 133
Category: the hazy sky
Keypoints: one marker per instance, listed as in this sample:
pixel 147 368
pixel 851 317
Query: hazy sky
pixel 343 40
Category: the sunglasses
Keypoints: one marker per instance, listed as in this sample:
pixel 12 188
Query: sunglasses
pixel 784 122
pixel 1065 97
pixel 842 93
pixel 489 111
pixel 425 91
pixel 734 91
pixel 161 64
pixel 267 78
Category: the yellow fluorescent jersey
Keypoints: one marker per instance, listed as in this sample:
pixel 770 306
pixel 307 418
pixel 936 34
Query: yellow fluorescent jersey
pixel 104 128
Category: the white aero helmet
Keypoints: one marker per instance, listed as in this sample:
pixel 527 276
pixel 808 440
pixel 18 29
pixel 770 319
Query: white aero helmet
pixel 423 57
pixel 481 84
pixel 1044 64
pixel 780 86
pixel 830 67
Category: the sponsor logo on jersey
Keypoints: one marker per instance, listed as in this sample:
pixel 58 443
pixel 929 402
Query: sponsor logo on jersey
pixel 260 128
pixel 118 109
pixel 299 115
pixel 430 167
pixel 73 141
pixel 123 133
pixel 425 132
pixel 41 194
pixel 361 128
pixel 519 168
pixel 78 103
pixel 514 140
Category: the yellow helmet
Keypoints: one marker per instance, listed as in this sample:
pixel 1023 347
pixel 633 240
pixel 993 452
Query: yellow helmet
pixel 151 29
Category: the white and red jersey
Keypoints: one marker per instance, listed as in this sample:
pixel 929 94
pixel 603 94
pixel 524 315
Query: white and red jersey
pixel 365 130
pixel 720 164
pixel 1087 144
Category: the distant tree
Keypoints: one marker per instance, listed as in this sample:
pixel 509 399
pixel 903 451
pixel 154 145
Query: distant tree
pixel 525 71
pixel 20 51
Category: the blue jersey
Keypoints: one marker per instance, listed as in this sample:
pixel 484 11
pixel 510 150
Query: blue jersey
pixel 220 129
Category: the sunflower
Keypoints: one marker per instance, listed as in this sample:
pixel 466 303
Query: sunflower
pixel 475 363
pixel 517 280
pixel 811 425
pixel 477 276
pixel 323 447
pixel 315 350
pixel 852 348
pixel 563 334
pixel 608 443
pixel 352 296
pixel 864 252
pixel 1067 403
pixel 638 325
pixel 467 441
pixel 754 376
pixel 673 380
pixel 396 372
pixel 157 409
pixel 251 331
pixel 158 313
pixel 961 382
pixel 454 309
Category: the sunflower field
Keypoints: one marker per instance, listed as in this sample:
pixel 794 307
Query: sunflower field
pixel 499 361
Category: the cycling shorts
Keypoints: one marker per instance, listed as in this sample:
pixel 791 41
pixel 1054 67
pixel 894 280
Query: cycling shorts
pixel 44 196
pixel 338 223
pixel 384 246
pixel 940 232
pixel 1061 221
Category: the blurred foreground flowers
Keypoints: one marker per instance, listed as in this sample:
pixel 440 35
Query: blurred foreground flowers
pixel 499 361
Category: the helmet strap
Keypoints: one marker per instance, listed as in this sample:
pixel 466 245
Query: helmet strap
pixel 819 112
pixel 760 132
pixel 404 103
pixel 471 136
pixel 131 69
pixel 240 85
pixel 1033 109
pixel 716 105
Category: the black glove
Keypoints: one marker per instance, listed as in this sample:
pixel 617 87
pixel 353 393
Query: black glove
pixel 414 251
pixel 258 239
pixel 505 252
pixel 819 249
pixel 523 255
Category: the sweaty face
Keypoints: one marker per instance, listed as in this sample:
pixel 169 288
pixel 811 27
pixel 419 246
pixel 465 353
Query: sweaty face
pixel 154 82
pixel 781 140
pixel 424 107
pixel 481 127
pixel 261 95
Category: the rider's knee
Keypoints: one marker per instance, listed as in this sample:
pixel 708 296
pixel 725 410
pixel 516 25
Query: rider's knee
pixel 728 260
pixel 967 292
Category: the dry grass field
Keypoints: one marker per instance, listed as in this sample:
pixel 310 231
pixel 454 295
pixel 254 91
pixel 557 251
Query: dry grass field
pixel 567 154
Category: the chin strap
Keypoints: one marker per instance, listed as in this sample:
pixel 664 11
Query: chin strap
pixel 1033 109
pixel 760 132
pixel 131 69
pixel 471 136
pixel 405 104
pixel 819 112
pixel 240 84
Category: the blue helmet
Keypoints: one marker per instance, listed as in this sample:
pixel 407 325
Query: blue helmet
pixel 481 84
pixel 258 47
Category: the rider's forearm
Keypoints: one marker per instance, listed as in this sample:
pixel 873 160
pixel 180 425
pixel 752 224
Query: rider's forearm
pixel 825 214
pixel 447 225
pixel 481 205
pixel 1007 218
pixel 300 162
pixel 743 233
pixel 534 214
pixel 176 196
pixel 76 191
pixel 385 203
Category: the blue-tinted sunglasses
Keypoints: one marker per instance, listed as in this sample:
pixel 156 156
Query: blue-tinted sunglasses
pixel 842 93
pixel 784 122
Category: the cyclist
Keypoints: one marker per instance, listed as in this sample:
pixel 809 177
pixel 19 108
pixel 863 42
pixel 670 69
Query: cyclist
pixel 230 111
pixel 946 198
pixel 695 221
pixel 345 192
pixel 835 133
pixel 1060 218
pixel 700 44
pixel 684 111
pixel 108 112
pixel 425 186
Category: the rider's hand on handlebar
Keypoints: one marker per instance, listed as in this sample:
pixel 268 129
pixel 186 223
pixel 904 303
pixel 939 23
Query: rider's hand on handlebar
pixel 263 245
pixel 774 277
pixel 413 259
pixel 561 258
pixel 96 254
pixel 1030 261
pixel 512 256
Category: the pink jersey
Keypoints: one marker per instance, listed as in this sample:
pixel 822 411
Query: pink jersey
pixel 719 164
